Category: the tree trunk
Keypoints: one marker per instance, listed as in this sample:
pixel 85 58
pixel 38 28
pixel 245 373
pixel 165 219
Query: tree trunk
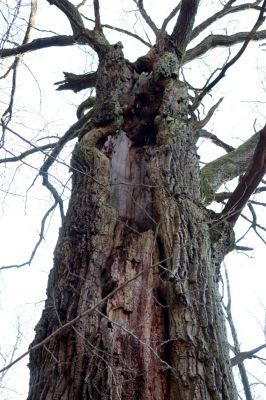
pixel 136 206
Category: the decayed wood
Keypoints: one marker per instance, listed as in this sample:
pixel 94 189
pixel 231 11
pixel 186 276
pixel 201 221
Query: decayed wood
pixel 135 203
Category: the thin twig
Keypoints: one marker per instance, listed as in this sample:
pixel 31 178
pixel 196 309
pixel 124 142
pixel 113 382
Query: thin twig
pixel 146 16
pixel 249 37
pixel 41 237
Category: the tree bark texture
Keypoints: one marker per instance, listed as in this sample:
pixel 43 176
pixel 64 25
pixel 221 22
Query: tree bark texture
pixel 136 206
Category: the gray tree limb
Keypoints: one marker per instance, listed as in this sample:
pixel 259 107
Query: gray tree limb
pixel 38 44
pixel 184 24
pixel 227 9
pixel 228 166
pixel 213 41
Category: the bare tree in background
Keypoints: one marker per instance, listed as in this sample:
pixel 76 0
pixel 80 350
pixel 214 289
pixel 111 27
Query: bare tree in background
pixel 133 309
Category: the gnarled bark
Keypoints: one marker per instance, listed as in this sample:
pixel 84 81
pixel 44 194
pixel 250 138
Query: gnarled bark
pixel 135 206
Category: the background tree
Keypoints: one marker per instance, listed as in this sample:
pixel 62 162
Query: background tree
pixel 133 308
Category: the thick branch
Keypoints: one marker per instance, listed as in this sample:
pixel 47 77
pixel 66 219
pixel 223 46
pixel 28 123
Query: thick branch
pixel 249 182
pixel 212 41
pixel 72 14
pixel 38 44
pixel 170 16
pixel 94 38
pixel 227 167
pixel 184 25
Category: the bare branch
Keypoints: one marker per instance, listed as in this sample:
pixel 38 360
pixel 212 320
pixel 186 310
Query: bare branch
pixel 134 35
pixel 7 115
pixel 227 9
pixel 77 82
pixel 184 25
pixel 97 15
pixel 96 40
pixel 41 237
pixel 204 121
pixel 27 153
pixel 243 248
pixel 77 128
pixel 146 17
pixel 248 182
pixel 85 105
pixel 241 366
pixel 38 44
pixel 230 165
pixel 170 16
pixel 227 147
pixel 213 41
pixel 240 357
pixel 258 23
pixel 72 14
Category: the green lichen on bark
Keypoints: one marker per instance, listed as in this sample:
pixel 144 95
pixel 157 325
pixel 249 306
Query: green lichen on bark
pixel 226 167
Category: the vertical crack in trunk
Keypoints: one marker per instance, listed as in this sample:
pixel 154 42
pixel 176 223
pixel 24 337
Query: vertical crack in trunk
pixel 135 206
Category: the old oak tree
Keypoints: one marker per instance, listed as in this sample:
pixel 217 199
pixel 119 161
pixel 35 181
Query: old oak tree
pixel 133 309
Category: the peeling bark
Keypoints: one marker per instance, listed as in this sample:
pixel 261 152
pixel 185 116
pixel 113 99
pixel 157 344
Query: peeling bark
pixel 136 206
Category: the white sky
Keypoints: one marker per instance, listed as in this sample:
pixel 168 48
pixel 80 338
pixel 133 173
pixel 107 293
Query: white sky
pixel 22 291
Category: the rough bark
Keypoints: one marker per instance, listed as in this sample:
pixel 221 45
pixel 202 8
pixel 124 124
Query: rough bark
pixel 136 206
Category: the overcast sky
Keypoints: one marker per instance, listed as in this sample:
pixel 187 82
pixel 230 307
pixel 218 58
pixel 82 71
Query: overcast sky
pixel 41 111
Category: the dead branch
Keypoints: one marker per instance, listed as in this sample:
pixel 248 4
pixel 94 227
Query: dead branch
pixel 254 224
pixel 77 82
pixel 243 248
pixel 205 134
